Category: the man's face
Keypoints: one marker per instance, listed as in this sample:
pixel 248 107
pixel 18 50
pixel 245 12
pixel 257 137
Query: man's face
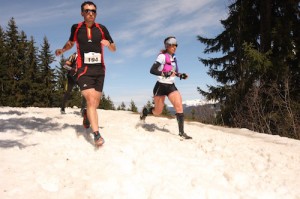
pixel 89 13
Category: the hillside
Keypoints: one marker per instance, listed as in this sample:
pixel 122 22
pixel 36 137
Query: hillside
pixel 44 154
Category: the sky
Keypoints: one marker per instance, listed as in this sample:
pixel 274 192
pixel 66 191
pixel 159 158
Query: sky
pixel 138 29
pixel 47 155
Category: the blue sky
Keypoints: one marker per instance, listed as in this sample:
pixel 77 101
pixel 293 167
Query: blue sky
pixel 138 28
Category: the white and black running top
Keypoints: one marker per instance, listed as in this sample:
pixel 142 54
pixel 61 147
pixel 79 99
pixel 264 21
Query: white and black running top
pixel 159 65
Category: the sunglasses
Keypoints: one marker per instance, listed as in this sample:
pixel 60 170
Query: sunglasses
pixel 172 45
pixel 89 10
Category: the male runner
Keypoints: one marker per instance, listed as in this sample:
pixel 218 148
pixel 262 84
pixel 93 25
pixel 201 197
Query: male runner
pixel 90 39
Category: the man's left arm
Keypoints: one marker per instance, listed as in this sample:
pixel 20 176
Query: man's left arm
pixel 108 41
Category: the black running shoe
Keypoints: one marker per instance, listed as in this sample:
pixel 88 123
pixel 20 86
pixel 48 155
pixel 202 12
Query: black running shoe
pixel 86 122
pixel 144 113
pixel 185 136
pixel 62 111
pixel 98 139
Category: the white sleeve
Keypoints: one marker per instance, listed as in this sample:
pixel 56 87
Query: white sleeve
pixel 161 58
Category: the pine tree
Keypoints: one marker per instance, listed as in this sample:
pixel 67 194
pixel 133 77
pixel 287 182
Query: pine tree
pixel 166 111
pixel 61 81
pixel 122 107
pixel 33 74
pixel 259 69
pixel 3 70
pixel 24 83
pixel 132 107
pixel 47 75
pixel 106 103
pixel 13 72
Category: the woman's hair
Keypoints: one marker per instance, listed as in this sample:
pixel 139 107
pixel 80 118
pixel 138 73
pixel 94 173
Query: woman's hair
pixel 87 3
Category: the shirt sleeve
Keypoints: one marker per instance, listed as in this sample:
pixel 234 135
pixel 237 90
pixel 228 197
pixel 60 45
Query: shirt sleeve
pixel 161 58
pixel 106 34
pixel 73 29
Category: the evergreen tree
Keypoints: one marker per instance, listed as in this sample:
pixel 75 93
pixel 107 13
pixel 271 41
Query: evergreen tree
pixel 61 81
pixel 149 104
pixel 47 75
pixel 32 75
pixel 259 69
pixel 13 71
pixel 24 83
pixel 3 69
pixel 106 103
pixel 132 107
pixel 166 111
pixel 122 107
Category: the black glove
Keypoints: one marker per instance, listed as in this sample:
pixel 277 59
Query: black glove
pixel 182 76
pixel 167 74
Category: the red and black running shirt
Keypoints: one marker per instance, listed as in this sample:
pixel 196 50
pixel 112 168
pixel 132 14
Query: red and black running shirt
pixel 88 40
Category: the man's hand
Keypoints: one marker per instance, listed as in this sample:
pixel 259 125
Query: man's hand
pixel 59 52
pixel 66 47
pixel 105 42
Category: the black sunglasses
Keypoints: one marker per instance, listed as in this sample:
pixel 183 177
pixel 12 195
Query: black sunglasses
pixel 89 10
pixel 176 45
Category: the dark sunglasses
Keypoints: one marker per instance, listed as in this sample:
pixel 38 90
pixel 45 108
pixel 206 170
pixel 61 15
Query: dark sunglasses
pixel 176 45
pixel 89 10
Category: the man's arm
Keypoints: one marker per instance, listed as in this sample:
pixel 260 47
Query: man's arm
pixel 110 46
pixel 66 47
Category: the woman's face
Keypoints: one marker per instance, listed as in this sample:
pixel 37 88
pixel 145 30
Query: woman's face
pixel 171 48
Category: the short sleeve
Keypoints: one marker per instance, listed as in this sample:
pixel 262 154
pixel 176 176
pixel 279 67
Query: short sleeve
pixel 161 58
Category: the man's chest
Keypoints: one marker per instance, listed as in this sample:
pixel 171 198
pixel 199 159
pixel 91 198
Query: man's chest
pixel 89 35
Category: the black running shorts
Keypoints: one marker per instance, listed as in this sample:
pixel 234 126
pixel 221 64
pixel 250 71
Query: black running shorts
pixel 161 89
pixel 93 78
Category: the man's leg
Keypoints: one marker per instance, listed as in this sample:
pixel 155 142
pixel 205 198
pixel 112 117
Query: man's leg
pixel 83 105
pixel 68 88
pixel 93 100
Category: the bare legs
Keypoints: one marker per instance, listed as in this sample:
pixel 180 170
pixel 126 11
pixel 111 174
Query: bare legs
pixel 92 101
pixel 175 99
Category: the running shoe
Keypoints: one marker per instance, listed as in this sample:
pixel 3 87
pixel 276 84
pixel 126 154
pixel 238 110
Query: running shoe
pixel 62 111
pixel 185 136
pixel 98 139
pixel 144 113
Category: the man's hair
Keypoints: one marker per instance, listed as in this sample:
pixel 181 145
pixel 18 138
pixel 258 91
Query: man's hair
pixel 87 3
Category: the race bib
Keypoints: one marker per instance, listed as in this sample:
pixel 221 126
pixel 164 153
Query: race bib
pixel 92 58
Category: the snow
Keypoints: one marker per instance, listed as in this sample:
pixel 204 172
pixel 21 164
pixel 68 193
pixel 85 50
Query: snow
pixel 44 154
pixel 197 102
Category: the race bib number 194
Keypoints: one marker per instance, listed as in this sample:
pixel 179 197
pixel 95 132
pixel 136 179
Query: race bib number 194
pixel 92 58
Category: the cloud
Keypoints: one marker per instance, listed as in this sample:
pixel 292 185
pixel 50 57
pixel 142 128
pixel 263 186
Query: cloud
pixel 156 19
pixel 37 14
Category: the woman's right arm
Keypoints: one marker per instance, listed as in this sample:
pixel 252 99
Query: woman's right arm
pixel 154 69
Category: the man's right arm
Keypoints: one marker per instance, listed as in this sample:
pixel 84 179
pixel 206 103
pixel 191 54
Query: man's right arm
pixel 66 47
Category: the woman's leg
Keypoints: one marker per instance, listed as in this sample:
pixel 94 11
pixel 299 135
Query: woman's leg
pixel 159 103
pixel 176 100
